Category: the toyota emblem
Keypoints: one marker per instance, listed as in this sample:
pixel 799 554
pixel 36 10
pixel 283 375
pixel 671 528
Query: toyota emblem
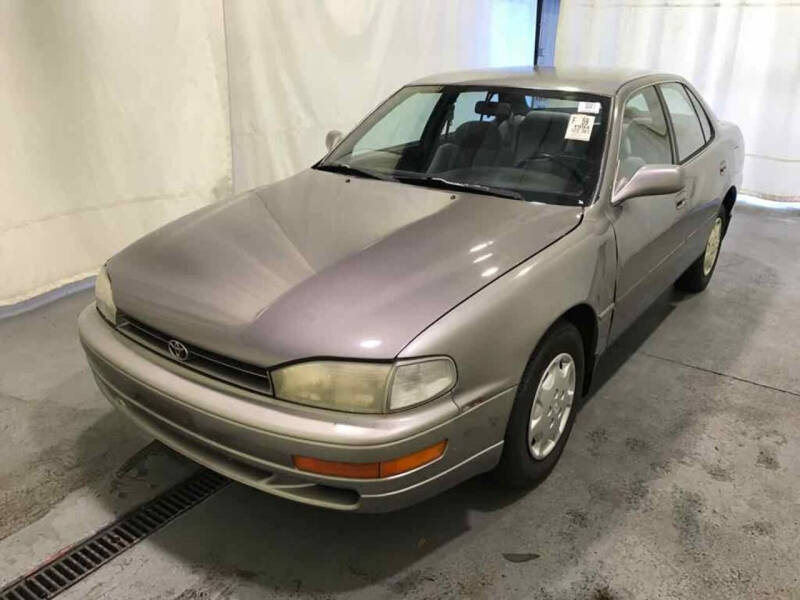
pixel 177 350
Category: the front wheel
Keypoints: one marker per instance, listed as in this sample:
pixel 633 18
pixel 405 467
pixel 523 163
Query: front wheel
pixel 544 408
pixel 698 275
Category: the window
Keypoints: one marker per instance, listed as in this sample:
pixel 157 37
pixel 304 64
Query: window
pixel 688 132
pixel 638 102
pixel 403 124
pixel 705 122
pixel 464 109
pixel 533 145
pixel 645 138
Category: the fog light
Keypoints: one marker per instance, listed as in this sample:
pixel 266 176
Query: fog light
pixel 371 470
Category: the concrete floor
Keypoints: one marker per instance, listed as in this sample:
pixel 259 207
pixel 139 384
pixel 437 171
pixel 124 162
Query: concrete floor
pixel 681 479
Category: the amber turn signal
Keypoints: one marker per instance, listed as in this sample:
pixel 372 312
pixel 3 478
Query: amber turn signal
pixel 372 470
pixel 412 461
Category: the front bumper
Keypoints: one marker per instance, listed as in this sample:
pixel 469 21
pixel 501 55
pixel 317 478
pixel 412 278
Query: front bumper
pixel 251 438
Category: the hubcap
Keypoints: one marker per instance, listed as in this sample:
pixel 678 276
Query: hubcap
pixel 712 247
pixel 551 406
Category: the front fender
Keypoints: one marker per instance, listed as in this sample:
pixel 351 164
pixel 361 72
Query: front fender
pixel 492 334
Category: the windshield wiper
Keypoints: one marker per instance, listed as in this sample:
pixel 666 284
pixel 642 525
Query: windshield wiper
pixel 446 184
pixel 424 180
pixel 349 170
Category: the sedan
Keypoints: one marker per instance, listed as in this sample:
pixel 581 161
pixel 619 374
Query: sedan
pixel 428 301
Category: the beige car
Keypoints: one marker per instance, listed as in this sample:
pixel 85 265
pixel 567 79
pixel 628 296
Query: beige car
pixel 429 300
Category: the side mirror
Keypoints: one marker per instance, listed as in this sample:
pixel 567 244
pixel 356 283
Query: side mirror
pixel 651 180
pixel 333 137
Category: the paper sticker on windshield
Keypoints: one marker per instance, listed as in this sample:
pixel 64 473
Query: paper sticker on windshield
pixel 589 107
pixel 579 128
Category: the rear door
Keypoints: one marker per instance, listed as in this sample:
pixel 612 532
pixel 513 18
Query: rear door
pixel 702 163
pixel 646 227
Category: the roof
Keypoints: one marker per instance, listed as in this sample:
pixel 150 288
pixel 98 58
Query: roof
pixel 596 81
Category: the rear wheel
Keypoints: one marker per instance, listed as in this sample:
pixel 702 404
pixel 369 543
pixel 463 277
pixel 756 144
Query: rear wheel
pixel 698 275
pixel 544 408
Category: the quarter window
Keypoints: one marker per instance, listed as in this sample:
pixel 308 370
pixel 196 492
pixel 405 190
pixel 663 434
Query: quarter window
pixel 688 131
pixel 705 122
pixel 645 138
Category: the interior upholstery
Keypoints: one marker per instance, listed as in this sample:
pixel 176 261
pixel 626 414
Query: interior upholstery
pixel 475 143
pixel 541 132
pixel 501 110
pixel 508 143
pixel 646 142
pixel 509 128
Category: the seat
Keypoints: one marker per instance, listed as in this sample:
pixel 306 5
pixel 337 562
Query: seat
pixel 509 127
pixel 541 132
pixel 475 143
pixel 509 130
pixel 643 142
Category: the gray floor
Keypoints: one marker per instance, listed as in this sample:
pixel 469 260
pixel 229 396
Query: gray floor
pixel 681 479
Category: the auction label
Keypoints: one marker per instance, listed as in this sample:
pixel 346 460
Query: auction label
pixel 579 127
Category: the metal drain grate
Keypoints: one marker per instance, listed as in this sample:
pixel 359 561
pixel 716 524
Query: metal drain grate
pixel 76 562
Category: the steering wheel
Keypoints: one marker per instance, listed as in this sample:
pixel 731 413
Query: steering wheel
pixel 557 159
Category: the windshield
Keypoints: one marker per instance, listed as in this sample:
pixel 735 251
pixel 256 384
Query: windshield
pixel 542 146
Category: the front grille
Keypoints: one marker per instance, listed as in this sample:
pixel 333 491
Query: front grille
pixel 223 368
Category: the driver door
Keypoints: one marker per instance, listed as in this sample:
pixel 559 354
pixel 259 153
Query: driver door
pixel 647 228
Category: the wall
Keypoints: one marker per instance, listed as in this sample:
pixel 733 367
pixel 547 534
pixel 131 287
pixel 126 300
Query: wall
pixel 113 120
pixel 743 56
pixel 299 69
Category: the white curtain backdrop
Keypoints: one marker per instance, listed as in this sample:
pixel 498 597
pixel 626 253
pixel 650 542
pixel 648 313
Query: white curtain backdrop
pixel 743 56
pixel 299 69
pixel 113 120
pixel 115 117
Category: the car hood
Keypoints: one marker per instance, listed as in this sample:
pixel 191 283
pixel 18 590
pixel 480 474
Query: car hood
pixel 323 265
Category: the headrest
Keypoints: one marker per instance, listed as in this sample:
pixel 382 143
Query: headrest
pixel 501 110
pixel 542 131
pixel 477 133
pixel 516 100
pixel 537 118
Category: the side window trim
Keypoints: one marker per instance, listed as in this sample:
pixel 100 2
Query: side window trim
pixel 671 126
pixel 673 142
pixel 696 104
pixel 693 104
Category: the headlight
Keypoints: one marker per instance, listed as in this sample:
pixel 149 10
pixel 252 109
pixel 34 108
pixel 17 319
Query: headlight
pixel 353 387
pixel 103 296
pixel 364 387
pixel 420 380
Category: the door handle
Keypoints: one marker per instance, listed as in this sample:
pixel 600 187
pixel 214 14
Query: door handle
pixel 680 202
pixel 723 167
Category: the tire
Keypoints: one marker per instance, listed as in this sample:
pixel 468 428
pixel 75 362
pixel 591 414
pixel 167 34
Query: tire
pixel 519 467
pixel 698 275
